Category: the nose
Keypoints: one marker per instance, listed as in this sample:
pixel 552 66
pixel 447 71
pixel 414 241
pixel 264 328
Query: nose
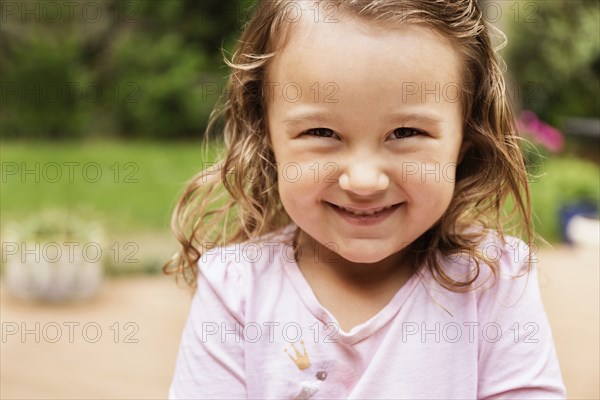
pixel 363 178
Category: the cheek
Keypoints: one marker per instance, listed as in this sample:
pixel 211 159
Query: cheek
pixel 430 188
pixel 296 186
pixel 302 177
pixel 286 194
pixel 427 175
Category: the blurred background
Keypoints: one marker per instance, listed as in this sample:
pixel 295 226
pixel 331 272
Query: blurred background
pixel 103 109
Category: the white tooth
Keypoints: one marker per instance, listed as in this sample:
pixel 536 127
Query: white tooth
pixel 365 213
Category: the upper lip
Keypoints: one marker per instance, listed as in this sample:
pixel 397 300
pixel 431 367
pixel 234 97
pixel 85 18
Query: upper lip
pixel 363 209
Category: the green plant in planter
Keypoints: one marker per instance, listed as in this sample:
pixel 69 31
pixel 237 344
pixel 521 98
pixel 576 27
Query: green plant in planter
pixel 562 181
pixel 54 255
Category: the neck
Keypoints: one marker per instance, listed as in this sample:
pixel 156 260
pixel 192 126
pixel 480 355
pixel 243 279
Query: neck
pixel 311 254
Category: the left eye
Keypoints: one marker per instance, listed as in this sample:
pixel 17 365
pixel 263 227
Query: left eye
pixel 320 132
pixel 404 133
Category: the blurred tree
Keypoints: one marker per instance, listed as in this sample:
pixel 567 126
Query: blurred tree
pixel 42 83
pixel 554 55
pixel 138 68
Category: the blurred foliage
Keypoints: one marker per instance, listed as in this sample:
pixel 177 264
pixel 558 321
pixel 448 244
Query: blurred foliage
pixel 39 96
pixel 553 53
pixel 153 69
pixel 561 181
pixel 140 68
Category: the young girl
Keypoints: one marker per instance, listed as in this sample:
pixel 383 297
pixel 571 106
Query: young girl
pixel 350 243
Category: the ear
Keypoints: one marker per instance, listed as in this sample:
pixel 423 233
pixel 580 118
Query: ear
pixel 464 148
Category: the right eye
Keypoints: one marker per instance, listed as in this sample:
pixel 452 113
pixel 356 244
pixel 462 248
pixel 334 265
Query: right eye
pixel 320 132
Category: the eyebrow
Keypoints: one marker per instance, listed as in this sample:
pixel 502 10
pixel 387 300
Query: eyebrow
pixel 425 117
pixel 316 116
pixel 310 116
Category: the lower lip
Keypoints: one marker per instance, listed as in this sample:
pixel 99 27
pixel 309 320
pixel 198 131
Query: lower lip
pixel 365 220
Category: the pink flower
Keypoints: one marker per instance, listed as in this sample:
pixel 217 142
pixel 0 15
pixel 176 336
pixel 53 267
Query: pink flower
pixel 542 133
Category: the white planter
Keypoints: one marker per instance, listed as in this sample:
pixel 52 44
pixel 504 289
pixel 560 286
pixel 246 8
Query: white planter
pixel 51 271
pixel 584 231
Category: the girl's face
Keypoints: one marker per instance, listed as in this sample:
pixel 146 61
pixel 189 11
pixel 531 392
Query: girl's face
pixel 366 129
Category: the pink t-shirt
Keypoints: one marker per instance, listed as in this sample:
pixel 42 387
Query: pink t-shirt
pixel 256 330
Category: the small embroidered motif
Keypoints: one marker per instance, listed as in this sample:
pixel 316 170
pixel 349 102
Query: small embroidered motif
pixel 302 361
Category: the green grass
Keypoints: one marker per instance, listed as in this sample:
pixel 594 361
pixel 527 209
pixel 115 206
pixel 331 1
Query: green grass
pixel 138 185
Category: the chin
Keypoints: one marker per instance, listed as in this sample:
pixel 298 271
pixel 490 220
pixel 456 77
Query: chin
pixel 363 257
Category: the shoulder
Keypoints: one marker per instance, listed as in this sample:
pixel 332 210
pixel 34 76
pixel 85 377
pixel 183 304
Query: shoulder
pixel 515 350
pixel 516 355
pixel 507 283
pixel 497 267
pixel 512 265
pixel 239 258
pixel 229 269
pixel 491 260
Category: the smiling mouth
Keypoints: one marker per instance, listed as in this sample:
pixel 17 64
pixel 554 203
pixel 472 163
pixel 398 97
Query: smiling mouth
pixel 365 213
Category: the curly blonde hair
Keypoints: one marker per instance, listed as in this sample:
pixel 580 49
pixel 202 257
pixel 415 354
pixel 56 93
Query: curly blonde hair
pixel 237 199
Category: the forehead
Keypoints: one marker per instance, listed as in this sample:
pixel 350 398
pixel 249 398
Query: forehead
pixel 357 55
